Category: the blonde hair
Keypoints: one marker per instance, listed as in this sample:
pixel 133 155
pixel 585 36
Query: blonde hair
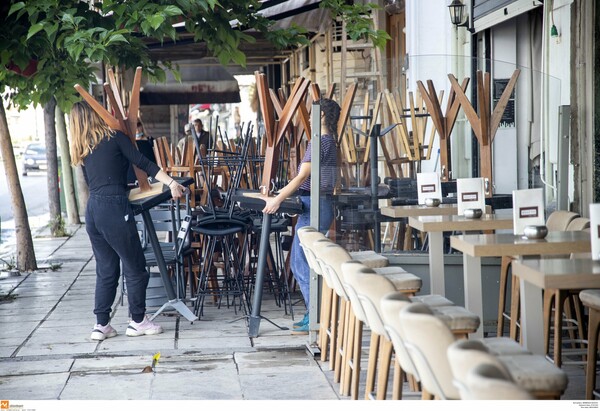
pixel 87 130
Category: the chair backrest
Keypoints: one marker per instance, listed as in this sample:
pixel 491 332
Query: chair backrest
pixel 307 236
pixel 559 220
pixel 427 339
pixel 350 269
pixel 463 355
pixel 331 257
pixel 579 224
pixel 391 304
pixel 488 382
pixel 370 288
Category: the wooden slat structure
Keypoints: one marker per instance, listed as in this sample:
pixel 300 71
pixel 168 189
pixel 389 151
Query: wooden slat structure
pixel 485 125
pixel 124 122
pixel 276 128
pixel 443 122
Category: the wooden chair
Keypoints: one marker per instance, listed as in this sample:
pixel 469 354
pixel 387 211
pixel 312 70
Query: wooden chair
pixel 370 288
pixel 309 238
pixel 557 221
pixel 489 382
pixel 531 372
pixel 428 339
pixel 591 299
pixel 559 306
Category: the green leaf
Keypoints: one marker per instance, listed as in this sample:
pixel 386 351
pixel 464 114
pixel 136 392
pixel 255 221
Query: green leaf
pixel 172 11
pixel 67 18
pixel 118 38
pixel 34 29
pixel 156 20
pixel 16 7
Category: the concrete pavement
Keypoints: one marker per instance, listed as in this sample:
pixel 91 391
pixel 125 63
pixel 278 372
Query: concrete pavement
pixel 46 352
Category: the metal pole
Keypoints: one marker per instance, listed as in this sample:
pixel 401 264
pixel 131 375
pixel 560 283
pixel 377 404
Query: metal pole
pixel 315 195
pixel 374 185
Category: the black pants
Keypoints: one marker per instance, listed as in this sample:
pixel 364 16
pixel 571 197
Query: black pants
pixel 111 226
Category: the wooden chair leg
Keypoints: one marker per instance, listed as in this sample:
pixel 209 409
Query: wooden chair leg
pixel 547 310
pixel 590 373
pixel 324 320
pixel 568 309
pixel 515 308
pixel 385 360
pixel 579 318
pixel 337 372
pixel 347 354
pixel 426 395
pixel 356 357
pixel 413 384
pixel 505 264
pixel 334 329
pixel 372 365
pixel 559 302
pixel 398 381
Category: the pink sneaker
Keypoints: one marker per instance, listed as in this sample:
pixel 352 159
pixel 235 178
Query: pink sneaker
pixel 102 332
pixel 146 327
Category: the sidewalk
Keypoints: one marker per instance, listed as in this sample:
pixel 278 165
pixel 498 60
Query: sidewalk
pixel 46 352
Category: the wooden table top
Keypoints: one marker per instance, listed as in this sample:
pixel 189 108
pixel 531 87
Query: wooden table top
pixel 559 273
pixel 497 245
pixel 418 210
pixel 460 223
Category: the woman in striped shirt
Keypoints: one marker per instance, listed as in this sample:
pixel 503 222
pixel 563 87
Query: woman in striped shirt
pixel 300 185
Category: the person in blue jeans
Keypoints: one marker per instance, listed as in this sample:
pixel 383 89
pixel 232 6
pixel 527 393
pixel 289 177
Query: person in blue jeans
pixel 106 155
pixel 300 185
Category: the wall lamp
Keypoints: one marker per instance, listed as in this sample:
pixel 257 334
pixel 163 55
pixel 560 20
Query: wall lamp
pixel 458 15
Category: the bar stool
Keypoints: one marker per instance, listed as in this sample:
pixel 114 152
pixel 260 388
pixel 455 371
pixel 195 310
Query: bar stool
pixel 308 237
pixel 224 235
pixel 489 382
pixel 428 339
pixel 532 373
pixel 370 289
pixel 557 221
pixel 330 256
pixel 277 278
pixel 591 299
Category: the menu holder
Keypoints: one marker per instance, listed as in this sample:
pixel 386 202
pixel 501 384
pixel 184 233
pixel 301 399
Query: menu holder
pixel 595 230
pixel 528 209
pixel 428 186
pixel 470 194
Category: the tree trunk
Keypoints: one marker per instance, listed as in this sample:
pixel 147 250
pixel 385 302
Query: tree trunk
pixel 25 253
pixel 67 171
pixel 82 189
pixel 52 173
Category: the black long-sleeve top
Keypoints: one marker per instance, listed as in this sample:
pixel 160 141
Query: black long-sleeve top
pixel 105 168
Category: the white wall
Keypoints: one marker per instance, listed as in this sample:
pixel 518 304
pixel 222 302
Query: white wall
pixel 429 46
pixel 505 149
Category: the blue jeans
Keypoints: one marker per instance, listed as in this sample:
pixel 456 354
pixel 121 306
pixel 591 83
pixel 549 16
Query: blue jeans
pixel 298 261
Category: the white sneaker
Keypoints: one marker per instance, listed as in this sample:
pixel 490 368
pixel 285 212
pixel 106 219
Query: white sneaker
pixel 102 332
pixel 146 327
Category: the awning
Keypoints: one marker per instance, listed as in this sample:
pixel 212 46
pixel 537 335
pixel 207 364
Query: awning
pixel 304 13
pixel 200 84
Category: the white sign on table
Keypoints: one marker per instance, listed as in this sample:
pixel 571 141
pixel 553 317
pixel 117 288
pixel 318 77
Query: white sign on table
pixel 528 209
pixel 470 194
pixel 428 186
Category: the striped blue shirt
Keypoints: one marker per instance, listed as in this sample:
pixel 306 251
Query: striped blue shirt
pixel 328 164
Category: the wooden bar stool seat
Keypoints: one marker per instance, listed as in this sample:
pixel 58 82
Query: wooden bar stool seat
pixel 370 258
pixel 532 373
